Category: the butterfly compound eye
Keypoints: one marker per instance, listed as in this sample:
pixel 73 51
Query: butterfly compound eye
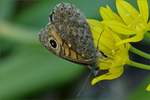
pixel 53 43
pixel 51 17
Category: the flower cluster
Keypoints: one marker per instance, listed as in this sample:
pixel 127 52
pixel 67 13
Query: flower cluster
pixel 112 36
pixel 130 23
pixel 115 56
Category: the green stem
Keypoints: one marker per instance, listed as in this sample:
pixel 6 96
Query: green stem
pixel 139 65
pixel 147 35
pixel 139 52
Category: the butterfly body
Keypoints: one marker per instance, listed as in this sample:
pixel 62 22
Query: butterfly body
pixel 68 35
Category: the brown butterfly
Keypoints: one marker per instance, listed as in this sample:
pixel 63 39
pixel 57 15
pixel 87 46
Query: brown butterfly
pixel 68 35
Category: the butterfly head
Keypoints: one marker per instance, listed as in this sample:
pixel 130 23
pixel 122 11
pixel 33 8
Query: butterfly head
pixel 49 39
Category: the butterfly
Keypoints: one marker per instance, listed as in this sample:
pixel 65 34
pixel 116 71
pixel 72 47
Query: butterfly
pixel 68 35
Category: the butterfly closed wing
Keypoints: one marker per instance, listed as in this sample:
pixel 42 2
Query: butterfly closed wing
pixel 68 35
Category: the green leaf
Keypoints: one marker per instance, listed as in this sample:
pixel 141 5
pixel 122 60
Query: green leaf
pixel 33 68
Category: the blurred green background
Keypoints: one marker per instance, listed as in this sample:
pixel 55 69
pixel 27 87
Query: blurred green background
pixel 29 72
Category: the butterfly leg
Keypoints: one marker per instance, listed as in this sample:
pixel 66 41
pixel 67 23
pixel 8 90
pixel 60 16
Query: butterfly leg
pixel 94 69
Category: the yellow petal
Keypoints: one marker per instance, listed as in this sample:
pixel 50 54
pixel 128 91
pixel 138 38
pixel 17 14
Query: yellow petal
pixel 108 14
pixel 138 24
pixel 101 37
pixel 94 22
pixel 96 28
pixel 112 74
pixel 106 41
pixel 148 88
pixel 104 64
pixel 143 7
pixel 126 11
pixel 103 13
pixel 138 37
pixel 119 27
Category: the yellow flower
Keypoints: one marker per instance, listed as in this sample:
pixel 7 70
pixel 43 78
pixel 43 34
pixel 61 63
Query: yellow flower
pixel 148 88
pixel 130 23
pixel 115 56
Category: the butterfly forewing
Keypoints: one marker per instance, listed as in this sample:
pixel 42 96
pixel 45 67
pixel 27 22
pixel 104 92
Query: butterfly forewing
pixel 74 29
pixel 68 35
